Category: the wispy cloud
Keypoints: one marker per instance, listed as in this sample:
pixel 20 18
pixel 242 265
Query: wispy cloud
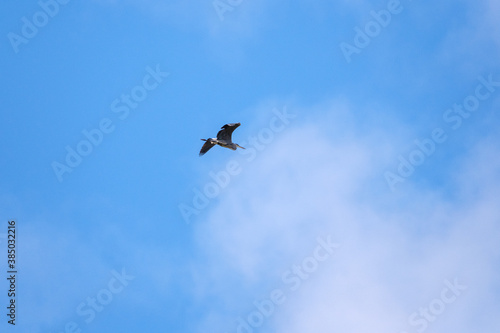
pixel 473 44
pixel 397 249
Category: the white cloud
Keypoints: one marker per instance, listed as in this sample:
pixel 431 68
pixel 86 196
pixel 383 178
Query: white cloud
pixel 397 249
pixel 62 264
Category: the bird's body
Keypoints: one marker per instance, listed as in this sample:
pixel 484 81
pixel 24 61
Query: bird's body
pixel 223 139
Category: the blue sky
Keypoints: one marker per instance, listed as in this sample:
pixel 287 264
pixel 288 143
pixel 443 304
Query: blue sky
pixel 366 200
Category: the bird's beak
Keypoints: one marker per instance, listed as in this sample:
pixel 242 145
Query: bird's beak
pixel 237 145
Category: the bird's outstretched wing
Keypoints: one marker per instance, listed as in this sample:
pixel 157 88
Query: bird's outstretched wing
pixel 226 131
pixel 206 147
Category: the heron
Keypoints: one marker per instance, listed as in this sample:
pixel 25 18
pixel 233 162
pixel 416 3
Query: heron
pixel 223 139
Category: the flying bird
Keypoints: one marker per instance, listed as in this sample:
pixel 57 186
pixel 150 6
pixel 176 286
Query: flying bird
pixel 223 139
